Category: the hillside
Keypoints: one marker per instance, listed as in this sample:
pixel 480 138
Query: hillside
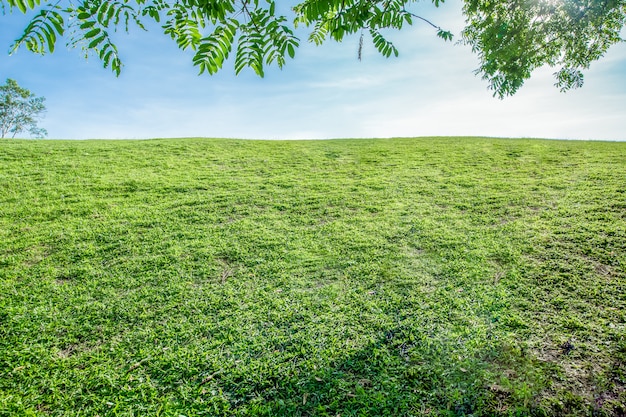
pixel 401 277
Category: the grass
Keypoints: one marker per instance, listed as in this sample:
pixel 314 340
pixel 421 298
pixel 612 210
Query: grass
pixel 404 277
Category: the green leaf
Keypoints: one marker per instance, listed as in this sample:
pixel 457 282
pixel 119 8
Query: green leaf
pixel 50 36
pixel 445 35
pixel 21 5
pixel 97 41
pixel 92 33
pixel 88 24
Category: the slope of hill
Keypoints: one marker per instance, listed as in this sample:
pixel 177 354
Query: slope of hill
pixel 430 276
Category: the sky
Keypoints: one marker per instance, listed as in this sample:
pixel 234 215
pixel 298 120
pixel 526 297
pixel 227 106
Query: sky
pixel 325 92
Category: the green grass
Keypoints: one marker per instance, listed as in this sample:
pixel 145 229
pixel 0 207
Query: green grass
pixel 404 277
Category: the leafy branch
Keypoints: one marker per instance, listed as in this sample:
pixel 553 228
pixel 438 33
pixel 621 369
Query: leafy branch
pixel 511 38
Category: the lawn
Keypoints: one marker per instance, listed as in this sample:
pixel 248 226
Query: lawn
pixel 402 277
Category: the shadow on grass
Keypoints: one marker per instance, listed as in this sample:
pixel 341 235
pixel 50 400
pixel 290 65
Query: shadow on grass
pixel 393 376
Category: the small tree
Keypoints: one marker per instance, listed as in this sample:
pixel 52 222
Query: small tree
pixel 20 110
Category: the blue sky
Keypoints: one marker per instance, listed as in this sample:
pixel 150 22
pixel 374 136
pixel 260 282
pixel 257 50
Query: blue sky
pixel 429 90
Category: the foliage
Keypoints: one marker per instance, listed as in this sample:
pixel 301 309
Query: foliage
pixel 20 110
pixel 435 276
pixel 511 38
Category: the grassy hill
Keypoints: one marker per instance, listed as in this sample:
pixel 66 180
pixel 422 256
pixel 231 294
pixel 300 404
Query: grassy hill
pixel 404 277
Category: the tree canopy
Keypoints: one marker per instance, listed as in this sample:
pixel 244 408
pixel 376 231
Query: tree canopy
pixel 20 110
pixel 510 37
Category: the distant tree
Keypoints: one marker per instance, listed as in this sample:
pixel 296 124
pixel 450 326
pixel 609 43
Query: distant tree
pixel 512 38
pixel 20 110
